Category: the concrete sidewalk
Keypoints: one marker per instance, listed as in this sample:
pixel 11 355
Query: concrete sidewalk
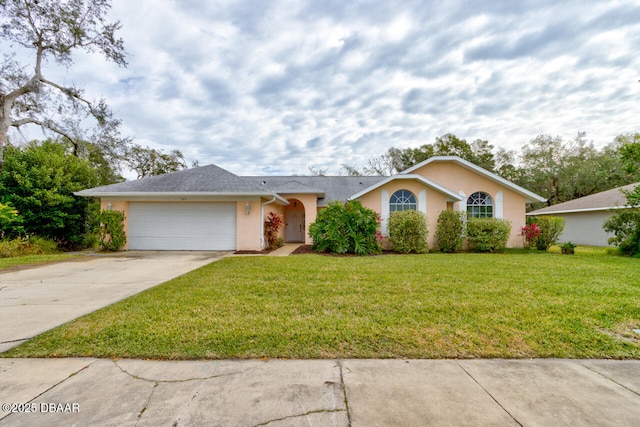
pixel 100 392
pixel 286 250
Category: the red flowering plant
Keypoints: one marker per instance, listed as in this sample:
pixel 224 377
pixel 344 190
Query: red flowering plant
pixel 530 233
pixel 272 225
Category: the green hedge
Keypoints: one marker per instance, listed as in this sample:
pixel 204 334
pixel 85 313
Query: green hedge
pixel 450 231
pixel 346 228
pixel 488 234
pixel 550 229
pixel 408 231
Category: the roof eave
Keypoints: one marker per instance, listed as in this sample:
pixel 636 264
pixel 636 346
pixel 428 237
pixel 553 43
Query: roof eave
pixel 159 194
pixel 529 196
pixel 320 194
pixel 608 208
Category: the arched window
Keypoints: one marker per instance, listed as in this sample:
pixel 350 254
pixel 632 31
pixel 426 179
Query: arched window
pixel 479 205
pixel 402 200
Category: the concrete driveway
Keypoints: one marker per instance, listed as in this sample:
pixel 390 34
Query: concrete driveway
pixel 37 299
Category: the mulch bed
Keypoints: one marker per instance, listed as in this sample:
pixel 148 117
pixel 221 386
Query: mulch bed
pixel 306 249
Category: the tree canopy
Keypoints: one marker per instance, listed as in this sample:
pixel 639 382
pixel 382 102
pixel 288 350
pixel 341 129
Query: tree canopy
pixel 39 181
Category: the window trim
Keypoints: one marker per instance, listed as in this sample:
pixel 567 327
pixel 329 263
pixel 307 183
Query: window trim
pixel 480 205
pixel 405 201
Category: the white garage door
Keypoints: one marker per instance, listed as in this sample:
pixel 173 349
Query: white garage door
pixel 182 226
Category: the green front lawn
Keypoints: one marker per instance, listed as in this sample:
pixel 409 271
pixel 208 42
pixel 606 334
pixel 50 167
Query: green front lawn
pixel 28 260
pixel 416 306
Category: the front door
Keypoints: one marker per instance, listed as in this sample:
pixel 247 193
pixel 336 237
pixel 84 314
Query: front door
pixel 295 226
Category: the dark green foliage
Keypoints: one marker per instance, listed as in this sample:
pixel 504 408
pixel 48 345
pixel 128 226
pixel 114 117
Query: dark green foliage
pixel 39 181
pixel 550 229
pixel 568 248
pixel 408 231
pixel 346 228
pixel 630 152
pixel 488 234
pixel 112 235
pixel 450 231
pixel 625 225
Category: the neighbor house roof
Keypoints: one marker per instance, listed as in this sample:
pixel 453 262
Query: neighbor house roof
pixel 605 200
pixel 529 196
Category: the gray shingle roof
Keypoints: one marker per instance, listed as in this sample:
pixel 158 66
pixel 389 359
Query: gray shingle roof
pixel 328 188
pixel 610 199
pixel 209 179
pixel 214 179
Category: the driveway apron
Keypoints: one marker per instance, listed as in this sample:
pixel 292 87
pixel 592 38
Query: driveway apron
pixel 37 299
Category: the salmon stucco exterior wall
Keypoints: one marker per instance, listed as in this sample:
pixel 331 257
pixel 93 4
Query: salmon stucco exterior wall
pixel 215 200
pixel 310 203
pixel 508 204
pixel 430 202
pixel 248 226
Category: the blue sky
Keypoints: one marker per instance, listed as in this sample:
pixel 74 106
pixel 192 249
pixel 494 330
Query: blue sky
pixel 273 87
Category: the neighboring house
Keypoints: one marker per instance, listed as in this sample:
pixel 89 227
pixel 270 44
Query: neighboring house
pixel 584 217
pixel 209 208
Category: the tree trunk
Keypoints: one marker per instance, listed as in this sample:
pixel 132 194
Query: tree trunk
pixel 5 122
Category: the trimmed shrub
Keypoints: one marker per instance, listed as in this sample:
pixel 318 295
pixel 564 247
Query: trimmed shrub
pixel 272 225
pixel 550 229
pixel 450 231
pixel 32 246
pixel 112 235
pixel 488 234
pixel 568 248
pixel 346 228
pixel 408 231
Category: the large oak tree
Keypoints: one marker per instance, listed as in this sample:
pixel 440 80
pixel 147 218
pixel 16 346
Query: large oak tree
pixel 47 31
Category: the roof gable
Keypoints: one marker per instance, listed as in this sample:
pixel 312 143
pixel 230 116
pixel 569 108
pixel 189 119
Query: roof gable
pixel 528 195
pixel 451 196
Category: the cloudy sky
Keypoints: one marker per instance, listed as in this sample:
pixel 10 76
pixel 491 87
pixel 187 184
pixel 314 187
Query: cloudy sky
pixel 273 87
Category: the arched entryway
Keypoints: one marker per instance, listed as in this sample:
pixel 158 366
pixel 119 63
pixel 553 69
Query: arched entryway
pixel 294 222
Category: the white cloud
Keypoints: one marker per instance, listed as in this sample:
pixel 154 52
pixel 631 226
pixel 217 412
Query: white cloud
pixel 275 87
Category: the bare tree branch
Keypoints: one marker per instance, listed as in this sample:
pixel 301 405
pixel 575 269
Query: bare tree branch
pixel 56 28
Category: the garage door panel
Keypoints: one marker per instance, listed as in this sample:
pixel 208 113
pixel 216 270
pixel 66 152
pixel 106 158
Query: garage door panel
pixel 182 226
